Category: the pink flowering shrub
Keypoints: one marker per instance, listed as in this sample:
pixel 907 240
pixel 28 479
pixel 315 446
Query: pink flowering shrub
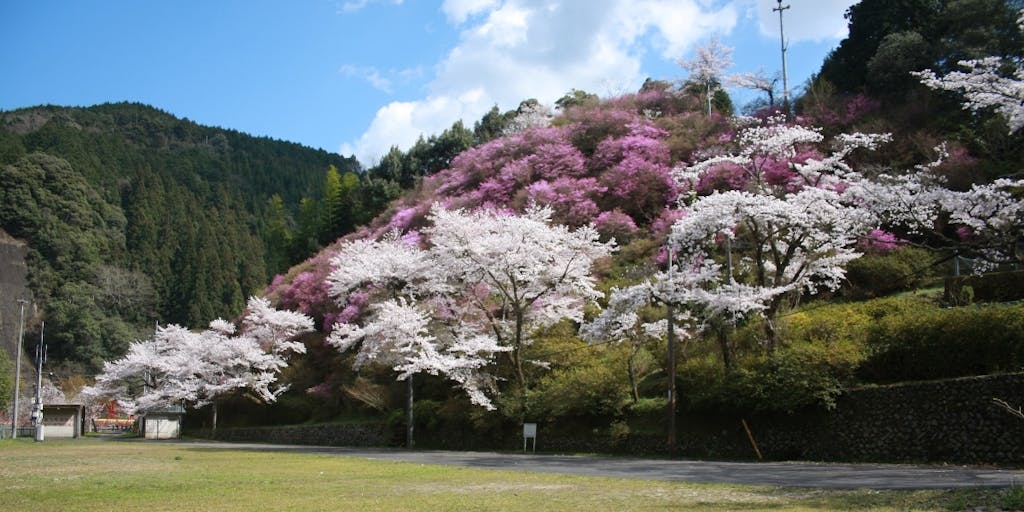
pixel 878 242
pixel 780 173
pixel 572 199
pixel 403 218
pixel 727 176
pixel 860 106
pixel 642 141
pixel 496 174
pixel 356 305
pixel 307 294
pixel 591 126
pixel 636 171
pixel 662 225
pixel 471 167
pixel 615 225
pixel 777 173
pixel 839 112
pixel 304 289
pixel 627 168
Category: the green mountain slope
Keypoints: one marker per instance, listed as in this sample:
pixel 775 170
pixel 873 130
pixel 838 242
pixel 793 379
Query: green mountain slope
pixel 134 216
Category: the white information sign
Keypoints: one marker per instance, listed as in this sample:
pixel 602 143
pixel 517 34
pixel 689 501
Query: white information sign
pixel 530 432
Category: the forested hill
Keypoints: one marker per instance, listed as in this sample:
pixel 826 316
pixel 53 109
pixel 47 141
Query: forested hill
pixel 133 216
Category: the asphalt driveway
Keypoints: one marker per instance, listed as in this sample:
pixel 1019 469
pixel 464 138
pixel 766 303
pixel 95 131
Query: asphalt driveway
pixel 784 474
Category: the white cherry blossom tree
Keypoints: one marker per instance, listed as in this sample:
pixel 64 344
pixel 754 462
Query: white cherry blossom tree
pixel 759 81
pixel 514 274
pixel 708 66
pixel 985 222
pixel 798 210
pixel 984 86
pixel 621 322
pixel 487 281
pixel 991 214
pixel 988 83
pixel 179 366
pixel 789 219
pixel 401 327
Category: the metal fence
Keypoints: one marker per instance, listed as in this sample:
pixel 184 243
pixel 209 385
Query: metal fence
pixel 23 431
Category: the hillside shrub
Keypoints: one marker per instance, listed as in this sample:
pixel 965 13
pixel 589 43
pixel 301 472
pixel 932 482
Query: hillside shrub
pixel 993 287
pixel 934 343
pixel 793 377
pixel 595 388
pixel 884 274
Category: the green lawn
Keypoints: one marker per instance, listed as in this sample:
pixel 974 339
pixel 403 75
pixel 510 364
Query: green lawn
pixel 84 475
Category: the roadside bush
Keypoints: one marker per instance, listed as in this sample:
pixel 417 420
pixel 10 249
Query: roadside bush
pixel 596 387
pixel 994 287
pixel 699 383
pixel 802 374
pixel 878 275
pixel 6 380
pixel 807 374
pixel 934 343
pixel 649 406
pixel 847 321
pixel 425 414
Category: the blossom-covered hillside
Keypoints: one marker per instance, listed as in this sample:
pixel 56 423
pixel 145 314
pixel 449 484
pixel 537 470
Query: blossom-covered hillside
pixel 608 164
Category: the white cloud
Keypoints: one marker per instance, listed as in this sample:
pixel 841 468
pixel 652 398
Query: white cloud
pixel 512 50
pixel 804 20
pixel 369 74
pixel 458 11
pixel 400 123
pixel 506 27
pixel 355 5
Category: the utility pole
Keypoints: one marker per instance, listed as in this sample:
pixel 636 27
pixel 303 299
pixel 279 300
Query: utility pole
pixel 785 75
pixel 671 369
pixel 17 371
pixel 37 408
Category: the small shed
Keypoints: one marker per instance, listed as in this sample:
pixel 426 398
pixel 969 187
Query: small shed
pixel 63 421
pixel 162 423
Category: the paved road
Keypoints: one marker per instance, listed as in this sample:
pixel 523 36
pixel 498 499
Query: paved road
pixel 785 474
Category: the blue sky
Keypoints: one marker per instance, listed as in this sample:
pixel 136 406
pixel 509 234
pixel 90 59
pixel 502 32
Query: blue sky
pixel 358 76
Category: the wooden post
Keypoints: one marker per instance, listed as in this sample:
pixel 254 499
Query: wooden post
pixel 750 436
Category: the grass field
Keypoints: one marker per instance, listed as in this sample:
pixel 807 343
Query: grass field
pixel 94 475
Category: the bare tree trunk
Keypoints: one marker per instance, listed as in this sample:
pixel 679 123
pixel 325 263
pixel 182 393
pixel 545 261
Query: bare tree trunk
pixel 723 346
pixel 518 360
pixel 409 442
pixel 671 379
pixel 771 335
pixel 631 366
pixel 213 430
pixel 708 85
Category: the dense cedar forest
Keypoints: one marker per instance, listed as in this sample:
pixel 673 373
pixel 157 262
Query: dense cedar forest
pixel 134 217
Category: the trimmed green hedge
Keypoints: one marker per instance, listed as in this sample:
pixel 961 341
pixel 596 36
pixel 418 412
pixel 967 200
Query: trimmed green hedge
pixel 876 276
pixel 994 287
pixel 934 343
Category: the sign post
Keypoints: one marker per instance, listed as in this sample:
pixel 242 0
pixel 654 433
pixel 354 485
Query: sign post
pixel 530 432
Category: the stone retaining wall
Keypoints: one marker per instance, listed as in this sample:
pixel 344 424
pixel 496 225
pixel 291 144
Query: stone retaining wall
pixel 951 421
